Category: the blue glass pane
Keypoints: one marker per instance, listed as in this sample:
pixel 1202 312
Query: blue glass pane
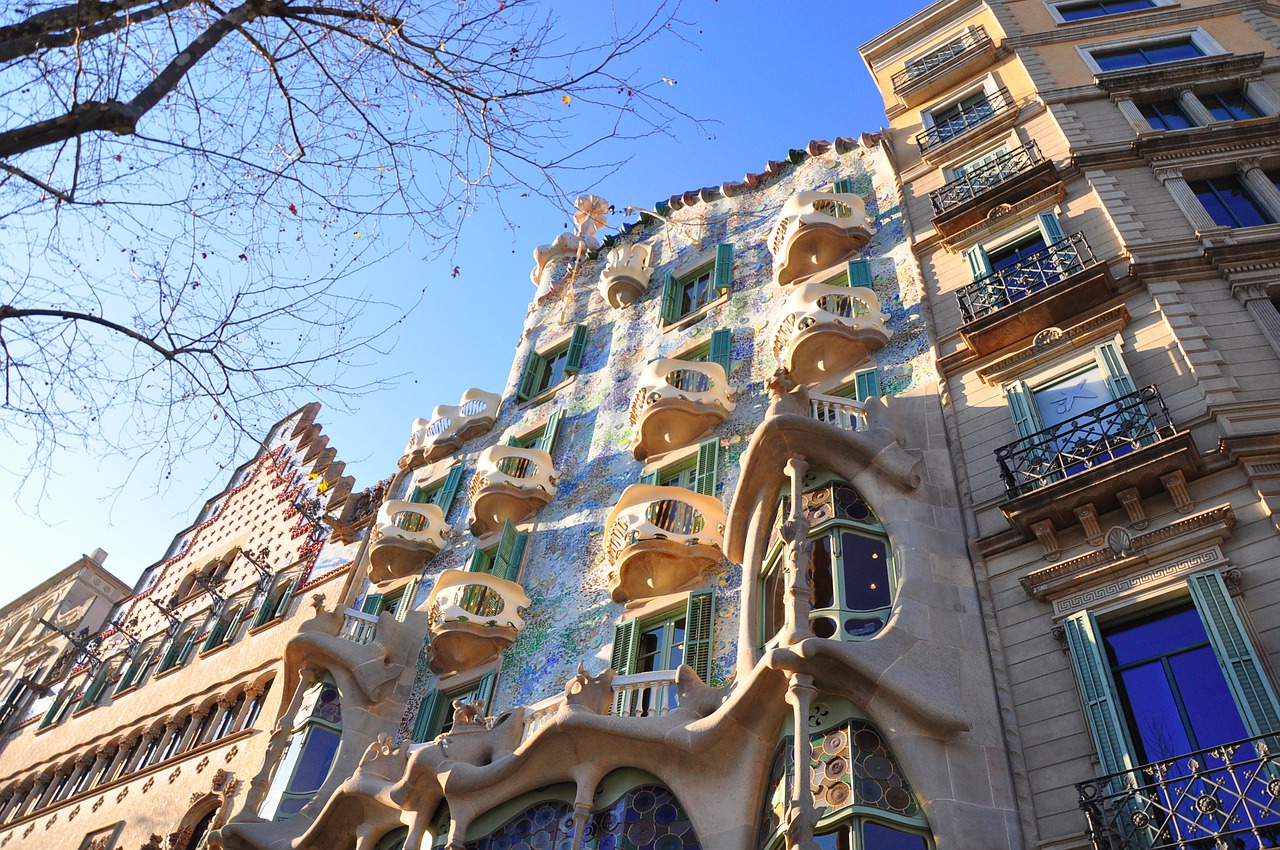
pixel 823 584
pixel 1155 635
pixel 1155 722
pixel 866 572
pixel 1210 708
pixel 317 755
pixel 1118 60
pixel 1172 51
pixel 876 836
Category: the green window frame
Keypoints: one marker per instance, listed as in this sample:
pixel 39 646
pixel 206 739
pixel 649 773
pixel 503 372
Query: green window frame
pixel 320 728
pixel 546 370
pixel 699 472
pixel 1047 226
pixel 856 273
pixel 654 643
pixel 440 492
pixel 1020 395
pixel 435 712
pixel 687 294
pixel 398 602
pixel 543 438
pixel 502 560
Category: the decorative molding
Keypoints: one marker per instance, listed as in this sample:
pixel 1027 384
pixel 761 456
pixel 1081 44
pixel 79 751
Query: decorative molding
pixel 1175 75
pixel 1050 346
pixel 1204 360
pixel 1042 200
pixel 1102 593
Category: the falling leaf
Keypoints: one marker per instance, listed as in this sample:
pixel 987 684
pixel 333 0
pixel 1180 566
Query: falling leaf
pixel 357 234
pixel 457 271
pixel 565 100
pixel 669 81
pixel 244 257
pixel 293 209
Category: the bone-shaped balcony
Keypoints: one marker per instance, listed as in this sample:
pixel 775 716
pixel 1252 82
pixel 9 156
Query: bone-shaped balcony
pixel 473 616
pixel 661 539
pixel 828 330
pixel 677 402
pixel 626 274
pixel 816 231
pixel 511 483
pixel 450 427
pixel 405 535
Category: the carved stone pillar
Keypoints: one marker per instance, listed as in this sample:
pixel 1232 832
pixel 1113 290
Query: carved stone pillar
pixel 122 755
pixel 51 789
pixel 1264 97
pixel 1260 185
pixel 250 694
pixel 1194 108
pixel 802 811
pixel 103 758
pixel 1185 198
pixel 7 798
pixel 795 531
pixel 32 801
pixel 82 766
pixel 224 704
pixel 275 747
pixel 14 810
pixel 1133 115
pixel 144 744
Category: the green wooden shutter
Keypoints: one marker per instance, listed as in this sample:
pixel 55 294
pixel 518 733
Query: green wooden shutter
pixel 484 692
pixel 842 187
pixel 577 345
pixel 171 654
pixel 708 468
pixel 131 672
pixel 419 496
pixel 547 439
pixel 866 384
pixel 282 607
pixel 979 265
pixel 650 478
pixel 443 497
pixel 230 632
pixel 515 443
pixel 477 562
pixel 698 639
pixel 266 610
pixel 1050 227
pixel 1098 691
pixel 96 687
pixel 215 635
pixel 529 378
pixel 425 723
pixel 723 276
pixel 405 603
pixel 721 346
pixel 1026 418
pixel 860 273
pixel 1249 686
pixel 506 561
pixel 670 299
pixel 372 602
pixel 1119 381
pixel 625 647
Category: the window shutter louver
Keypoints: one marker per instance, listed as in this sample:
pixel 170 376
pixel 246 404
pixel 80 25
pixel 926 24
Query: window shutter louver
pixel 477 562
pixel 215 635
pixel 1026 418
pixel 484 692
pixel 405 603
pixel 623 658
pixel 443 497
pixel 529 378
pixel 1119 381
pixel 650 478
pixel 171 654
pixel 423 723
pixel 186 648
pixel 547 439
pixel 721 348
pixel 506 561
pixel 1051 228
pixel 670 299
pixel 230 633
pixel 859 273
pixel 577 345
pixel 1098 692
pixel 842 187
pixel 699 625
pixel 96 687
pixel 282 607
pixel 266 609
pixel 708 469
pixel 866 384
pixel 1246 678
pixel 723 276
pixel 515 443
pixel 979 265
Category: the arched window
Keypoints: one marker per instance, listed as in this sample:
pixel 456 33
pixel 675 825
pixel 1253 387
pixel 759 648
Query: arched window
pixel 255 707
pixel 854 577
pixel 393 840
pixel 227 718
pixel 197 838
pixel 317 731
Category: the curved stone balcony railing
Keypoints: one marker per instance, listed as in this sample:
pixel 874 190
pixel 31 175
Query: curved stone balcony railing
pixel 828 329
pixel 660 539
pixel 626 274
pixel 405 535
pixel 511 483
pixel 474 616
pixel 677 402
pixel 815 231
pixel 450 427
pixel 650 694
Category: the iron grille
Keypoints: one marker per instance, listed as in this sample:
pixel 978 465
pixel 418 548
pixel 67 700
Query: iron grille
pixel 984 177
pixel 952 51
pixel 1223 796
pixel 1032 273
pixel 996 103
pixel 1112 430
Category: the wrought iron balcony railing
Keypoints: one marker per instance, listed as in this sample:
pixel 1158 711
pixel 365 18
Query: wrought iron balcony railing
pixel 1223 796
pixel 1034 272
pixel 916 70
pixel 999 102
pixel 983 178
pixel 1112 430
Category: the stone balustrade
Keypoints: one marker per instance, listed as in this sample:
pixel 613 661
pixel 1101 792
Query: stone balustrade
pixel 405 535
pixel 358 626
pixel 473 617
pixel 626 274
pixel 450 426
pixel 650 694
pixel 815 231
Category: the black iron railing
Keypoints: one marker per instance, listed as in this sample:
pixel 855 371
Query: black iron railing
pixel 917 69
pixel 1225 796
pixel 1034 272
pixel 998 102
pixel 984 177
pixel 1113 430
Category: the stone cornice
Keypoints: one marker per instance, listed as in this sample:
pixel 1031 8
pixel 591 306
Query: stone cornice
pixel 1003 215
pixel 1050 346
pixel 1177 74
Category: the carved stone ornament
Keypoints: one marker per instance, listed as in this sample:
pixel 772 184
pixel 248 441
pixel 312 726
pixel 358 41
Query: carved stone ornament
pixel 219 777
pixel 155 842
pixel 97 804
pixel 231 753
pixel 1048 336
pixel 1231 578
pixel 147 786
pixel 202 764
pixel 593 693
pixel 999 211
pixel 71 815
pixel 1119 540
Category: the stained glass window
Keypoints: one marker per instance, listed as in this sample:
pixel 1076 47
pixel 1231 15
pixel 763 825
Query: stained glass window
pixel 648 817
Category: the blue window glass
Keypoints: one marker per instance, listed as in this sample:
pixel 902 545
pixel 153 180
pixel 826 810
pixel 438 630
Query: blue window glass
pixel 1084 11
pixel 1229 106
pixel 1172 690
pixel 1138 55
pixel 1228 203
pixel 1165 115
pixel 1009 255
pixel 695 292
pixel 961 115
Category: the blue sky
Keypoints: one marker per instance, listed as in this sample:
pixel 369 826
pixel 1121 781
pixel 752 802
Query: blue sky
pixel 767 76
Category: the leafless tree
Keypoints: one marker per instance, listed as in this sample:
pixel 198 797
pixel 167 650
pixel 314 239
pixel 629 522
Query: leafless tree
pixel 187 186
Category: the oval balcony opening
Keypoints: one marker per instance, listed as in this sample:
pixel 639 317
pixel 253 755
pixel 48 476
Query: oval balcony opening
pixel 410 521
pixel 675 517
pixel 828 329
pixel 511 483
pixel 474 407
pixel 518 467
pixel 815 231
pixel 449 427
pixel 844 306
pixel 689 381
pixel 472 618
pixel 481 601
pixel 405 536
pixel 677 403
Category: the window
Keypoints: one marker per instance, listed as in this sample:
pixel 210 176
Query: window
pixel 227 718
pixel 1228 202
pixel 439 492
pixel 952 120
pixel 1150 53
pixel 174 738
pixel 1027 262
pixel 682 636
pixel 1101 8
pixel 548 369
pixel 688 293
pixel 1169 682
pixel 715 350
pixel 854 580
pixel 504 559
pixel 275 604
pixel 1229 106
pixel 1165 115
pixel 398 603
pixel 699 472
pixel 255 707
pixel 317 731
pixel 543 438
pixel 435 714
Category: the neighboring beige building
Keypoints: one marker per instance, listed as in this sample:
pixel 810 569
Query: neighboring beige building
pixel 1091 190
pixel 148 735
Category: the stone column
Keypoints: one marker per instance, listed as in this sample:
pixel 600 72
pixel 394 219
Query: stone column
pixel 1260 307
pixel 250 694
pixel 1261 95
pixel 82 764
pixel 173 724
pixel 14 810
pixel 52 788
pixel 144 743
pixel 122 755
pixel 1260 185
pixel 802 815
pixel 1194 108
pixel 188 740
pixel 1133 115
pixel 795 531
pixel 1185 198
pixel 224 703
pixel 104 756
pixel 6 802
pixel 32 801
